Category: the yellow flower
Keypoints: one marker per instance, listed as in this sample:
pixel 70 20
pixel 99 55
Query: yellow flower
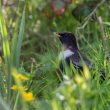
pixel 18 75
pixel 14 87
pixel 28 96
pixel 22 88
pixel 22 77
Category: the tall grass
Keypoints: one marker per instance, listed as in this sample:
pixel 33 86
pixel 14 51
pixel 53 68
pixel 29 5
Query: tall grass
pixel 11 58
pixel 6 52
pixel 52 89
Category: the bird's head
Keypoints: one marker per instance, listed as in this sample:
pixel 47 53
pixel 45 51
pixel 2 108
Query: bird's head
pixel 68 39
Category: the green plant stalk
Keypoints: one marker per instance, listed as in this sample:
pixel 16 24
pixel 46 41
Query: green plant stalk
pixel 17 41
pixel 16 101
pixel 20 39
pixel 6 51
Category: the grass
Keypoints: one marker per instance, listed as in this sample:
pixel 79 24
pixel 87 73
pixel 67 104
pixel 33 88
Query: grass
pixel 30 80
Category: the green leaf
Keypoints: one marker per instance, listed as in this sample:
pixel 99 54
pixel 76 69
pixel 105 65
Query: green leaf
pixel 20 39
pixel 6 51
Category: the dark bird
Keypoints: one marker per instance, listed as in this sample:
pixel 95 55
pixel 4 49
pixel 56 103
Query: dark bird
pixel 72 54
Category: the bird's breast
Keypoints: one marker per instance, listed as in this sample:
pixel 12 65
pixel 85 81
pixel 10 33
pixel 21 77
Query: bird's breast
pixel 65 54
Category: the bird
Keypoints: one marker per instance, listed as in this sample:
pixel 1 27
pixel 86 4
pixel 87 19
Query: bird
pixel 71 53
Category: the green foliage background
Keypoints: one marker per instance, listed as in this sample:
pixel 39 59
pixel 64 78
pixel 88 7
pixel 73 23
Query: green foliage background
pixel 31 25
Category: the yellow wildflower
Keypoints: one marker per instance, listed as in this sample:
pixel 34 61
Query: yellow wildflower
pixel 22 88
pixel 16 74
pixel 14 87
pixel 28 96
pixel 22 77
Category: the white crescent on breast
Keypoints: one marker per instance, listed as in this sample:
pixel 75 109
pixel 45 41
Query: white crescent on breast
pixel 65 54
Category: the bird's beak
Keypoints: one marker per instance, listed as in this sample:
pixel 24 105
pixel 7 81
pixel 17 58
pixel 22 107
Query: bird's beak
pixel 57 34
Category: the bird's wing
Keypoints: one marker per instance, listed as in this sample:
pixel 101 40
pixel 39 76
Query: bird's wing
pixel 76 62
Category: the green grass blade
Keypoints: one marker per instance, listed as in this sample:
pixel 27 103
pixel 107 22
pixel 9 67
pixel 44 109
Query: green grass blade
pixel 6 51
pixel 20 39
